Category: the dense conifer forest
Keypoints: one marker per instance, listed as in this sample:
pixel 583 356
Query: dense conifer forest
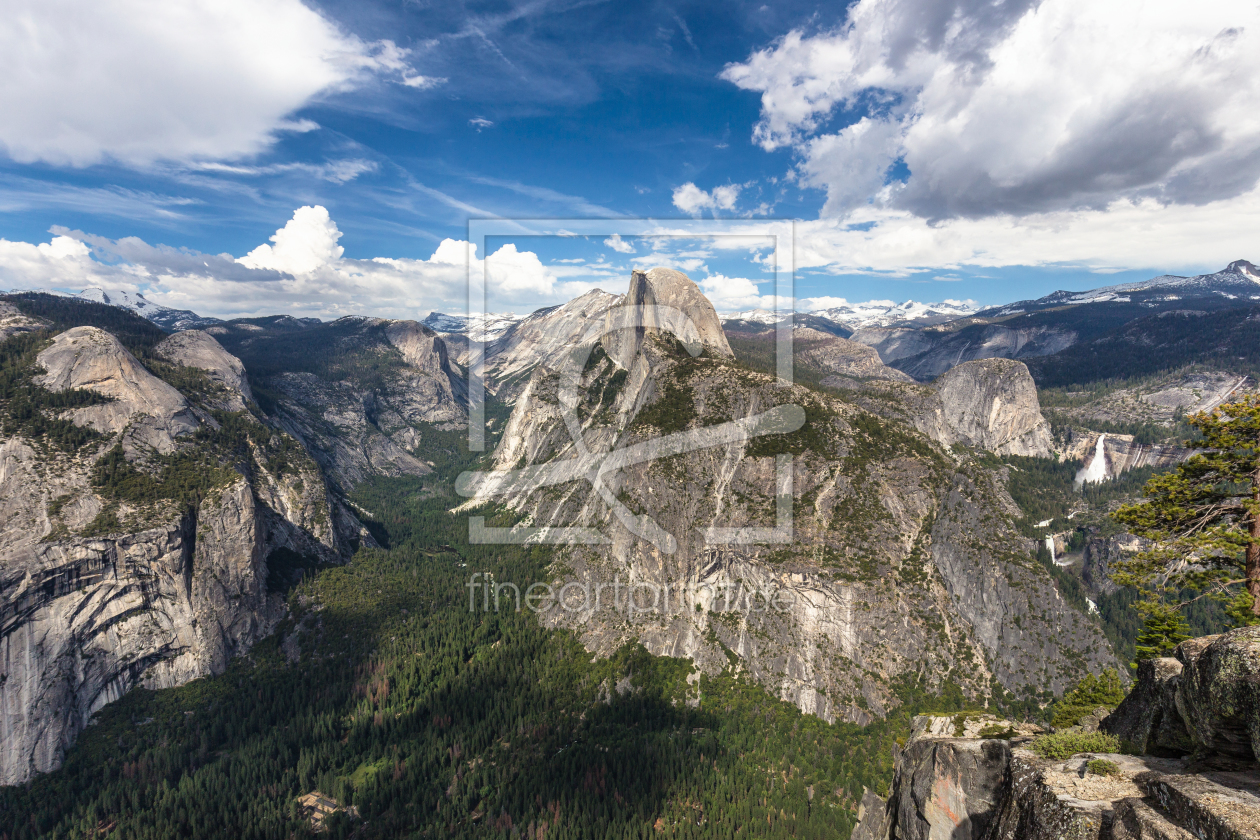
pixel 383 690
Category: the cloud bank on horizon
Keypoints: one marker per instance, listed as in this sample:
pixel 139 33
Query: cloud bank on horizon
pixel 930 136
pixel 303 271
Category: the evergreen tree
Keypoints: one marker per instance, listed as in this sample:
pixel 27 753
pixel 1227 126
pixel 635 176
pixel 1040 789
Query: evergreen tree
pixel 1163 628
pixel 1091 692
pixel 1204 519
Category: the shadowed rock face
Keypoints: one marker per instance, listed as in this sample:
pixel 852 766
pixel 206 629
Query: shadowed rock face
pixel 1205 699
pixel 1147 720
pixel 953 786
pixel 1219 692
pixel 928 353
pixel 356 428
pixel 969 788
pixel 1099 554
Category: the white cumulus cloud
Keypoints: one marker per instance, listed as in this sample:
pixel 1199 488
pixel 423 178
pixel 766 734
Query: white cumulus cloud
pixel 1018 108
pixel 729 294
pixel 140 81
pixel 618 244
pixel 307 242
pixel 303 271
pixel 693 201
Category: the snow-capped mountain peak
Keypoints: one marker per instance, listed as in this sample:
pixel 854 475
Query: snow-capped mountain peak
pixel 871 313
pixel 882 313
pixel 486 327
pixel 165 317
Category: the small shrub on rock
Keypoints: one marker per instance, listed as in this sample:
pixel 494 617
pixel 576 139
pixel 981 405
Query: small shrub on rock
pixel 997 731
pixel 1062 745
pixel 1103 767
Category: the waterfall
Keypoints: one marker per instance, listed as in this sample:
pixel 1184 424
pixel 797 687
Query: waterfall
pixel 1050 548
pixel 1096 469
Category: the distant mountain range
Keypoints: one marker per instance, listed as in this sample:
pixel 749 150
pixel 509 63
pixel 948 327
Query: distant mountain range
pixel 171 320
pixel 921 339
pixel 1237 282
pixel 872 313
pixel 486 327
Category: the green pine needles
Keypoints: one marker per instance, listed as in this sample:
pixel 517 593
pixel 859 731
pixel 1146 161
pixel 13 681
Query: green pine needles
pixel 1091 692
pixel 1204 521
pixel 1163 628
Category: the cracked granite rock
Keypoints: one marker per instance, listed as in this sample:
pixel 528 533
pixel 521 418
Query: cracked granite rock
pixel 168 594
pixel 900 561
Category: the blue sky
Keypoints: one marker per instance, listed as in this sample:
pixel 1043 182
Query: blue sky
pixel 932 150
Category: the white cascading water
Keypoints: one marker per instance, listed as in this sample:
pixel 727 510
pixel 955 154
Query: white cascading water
pixel 1050 548
pixel 1096 470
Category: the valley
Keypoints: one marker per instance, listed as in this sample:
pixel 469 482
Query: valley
pixel 234 558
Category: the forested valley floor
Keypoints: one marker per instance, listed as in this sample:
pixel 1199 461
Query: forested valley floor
pixel 437 721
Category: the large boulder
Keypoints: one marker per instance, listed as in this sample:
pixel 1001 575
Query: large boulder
pixel 1219 692
pixel 1147 721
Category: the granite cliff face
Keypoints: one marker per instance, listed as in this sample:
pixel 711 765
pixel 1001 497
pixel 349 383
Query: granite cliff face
pixel 894 557
pixel 541 338
pixel 197 349
pixel 991 404
pixel 108 577
pixel 840 355
pixel 362 394
pixel 141 407
pixel 1191 771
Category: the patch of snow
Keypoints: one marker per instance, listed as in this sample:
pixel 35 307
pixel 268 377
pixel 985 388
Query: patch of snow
pixel 1045 523
pixel 485 327
pixel 880 313
pixel 165 316
pixel 756 316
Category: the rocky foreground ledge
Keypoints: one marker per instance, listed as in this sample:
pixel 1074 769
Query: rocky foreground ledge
pixel 1195 716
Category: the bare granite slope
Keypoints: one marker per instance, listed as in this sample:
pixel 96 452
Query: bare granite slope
pixel 101 591
pixel 899 560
